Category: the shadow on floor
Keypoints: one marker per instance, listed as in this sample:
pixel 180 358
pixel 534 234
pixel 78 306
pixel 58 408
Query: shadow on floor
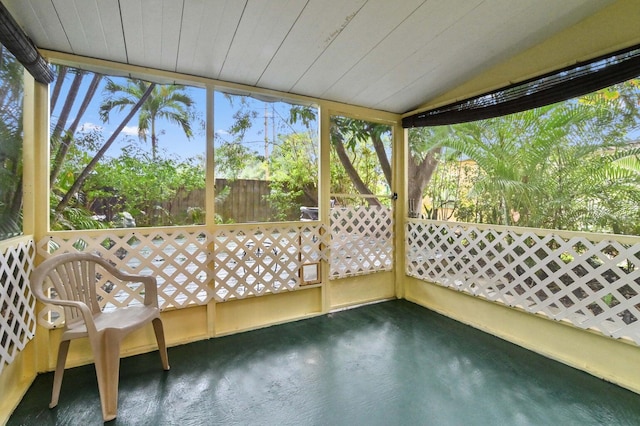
pixel 392 363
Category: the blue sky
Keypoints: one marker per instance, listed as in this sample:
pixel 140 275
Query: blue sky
pixel 171 138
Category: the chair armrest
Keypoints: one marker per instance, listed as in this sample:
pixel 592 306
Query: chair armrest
pixel 150 290
pixel 82 307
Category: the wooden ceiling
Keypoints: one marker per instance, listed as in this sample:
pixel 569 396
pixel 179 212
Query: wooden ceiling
pixel 389 55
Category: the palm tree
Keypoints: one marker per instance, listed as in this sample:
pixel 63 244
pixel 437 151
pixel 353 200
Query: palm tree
pixel 79 181
pixel 61 71
pixel 549 165
pixel 72 94
pixel 61 142
pixel 524 159
pixel 616 180
pixel 168 102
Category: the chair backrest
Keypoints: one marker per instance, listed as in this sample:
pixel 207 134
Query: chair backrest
pixel 73 277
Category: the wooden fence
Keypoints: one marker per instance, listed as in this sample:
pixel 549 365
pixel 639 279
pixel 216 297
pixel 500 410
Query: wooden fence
pixel 237 201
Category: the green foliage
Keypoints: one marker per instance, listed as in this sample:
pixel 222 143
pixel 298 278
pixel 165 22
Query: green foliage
pixel 445 189
pixel 133 182
pixel 74 217
pixel 424 139
pixel 294 174
pixel 142 183
pixel 196 215
pixel 89 181
pixel 235 161
pixel 303 114
pixel 564 166
pixel 11 92
pixel 290 161
pixel 364 160
pixel 360 154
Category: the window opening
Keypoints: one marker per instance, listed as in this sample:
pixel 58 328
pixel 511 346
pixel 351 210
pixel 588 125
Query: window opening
pixel 266 159
pixel 361 197
pixel 125 152
pixel 11 116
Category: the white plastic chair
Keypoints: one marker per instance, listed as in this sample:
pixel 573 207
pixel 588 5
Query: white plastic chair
pixel 73 276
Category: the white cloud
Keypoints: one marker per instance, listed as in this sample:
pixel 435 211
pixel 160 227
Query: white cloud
pixel 222 132
pixel 130 130
pixel 90 127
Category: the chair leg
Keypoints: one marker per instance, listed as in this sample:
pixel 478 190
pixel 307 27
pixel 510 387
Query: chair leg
pixel 162 346
pixel 107 360
pixel 63 349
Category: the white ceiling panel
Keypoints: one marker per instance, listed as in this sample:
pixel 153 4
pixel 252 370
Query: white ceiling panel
pixel 423 27
pixel 368 28
pixel 317 27
pixel 523 25
pixel 390 55
pixel 207 35
pixel 269 22
pixel 92 27
pixel 449 46
pixel 152 32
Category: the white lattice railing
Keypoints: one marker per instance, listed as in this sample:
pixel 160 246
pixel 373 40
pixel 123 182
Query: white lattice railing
pixel 193 266
pixel 176 257
pixel 361 240
pixel 593 281
pixel 17 303
pixel 251 261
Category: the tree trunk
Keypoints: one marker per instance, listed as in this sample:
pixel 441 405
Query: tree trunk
pixel 62 73
pixel 419 176
pixel 68 138
pixel 154 140
pixel 16 201
pixel 378 145
pixel 361 187
pixel 85 172
pixel 66 108
pixel 311 194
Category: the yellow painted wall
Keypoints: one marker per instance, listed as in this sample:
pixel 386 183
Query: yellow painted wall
pixel 15 380
pixel 257 312
pixel 361 289
pixel 616 361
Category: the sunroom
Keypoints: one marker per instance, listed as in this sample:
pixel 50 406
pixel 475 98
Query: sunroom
pixel 281 183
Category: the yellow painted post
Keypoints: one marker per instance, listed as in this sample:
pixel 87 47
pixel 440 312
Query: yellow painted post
pixel 36 185
pixel 36 158
pixel 400 159
pixel 42 187
pixel 209 172
pixel 324 191
pixel 210 204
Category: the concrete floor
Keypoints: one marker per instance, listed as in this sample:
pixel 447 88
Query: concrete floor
pixel 392 363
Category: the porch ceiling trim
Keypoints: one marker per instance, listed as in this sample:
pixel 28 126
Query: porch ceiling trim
pixel 563 84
